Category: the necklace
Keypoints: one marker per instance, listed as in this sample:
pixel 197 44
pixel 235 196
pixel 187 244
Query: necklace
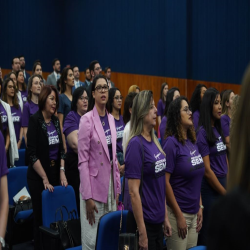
pixel 48 123
pixel 191 150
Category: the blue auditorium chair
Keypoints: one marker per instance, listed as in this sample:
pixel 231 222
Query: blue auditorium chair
pixel 198 248
pixel 108 230
pixel 20 227
pixel 51 201
pixel 21 161
pixel 120 196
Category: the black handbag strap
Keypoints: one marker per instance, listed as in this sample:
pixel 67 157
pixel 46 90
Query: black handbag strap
pixel 61 212
pixel 141 184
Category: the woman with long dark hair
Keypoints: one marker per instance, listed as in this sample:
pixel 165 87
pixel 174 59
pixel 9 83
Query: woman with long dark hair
pixel 21 85
pixel 98 166
pixel 211 144
pixel 184 172
pixel 10 97
pixel 37 70
pixel 162 102
pixel 172 94
pixel 195 102
pixel 114 108
pixel 79 107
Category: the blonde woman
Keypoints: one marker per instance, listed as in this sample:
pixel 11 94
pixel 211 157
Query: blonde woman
pixel 148 211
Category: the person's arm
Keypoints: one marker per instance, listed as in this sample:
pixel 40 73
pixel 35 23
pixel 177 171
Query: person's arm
pixel 199 217
pixel 181 222
pixel 134 185
pixel 227 141
pixel 20 138
pixel 4 206
pixel 7 142
pixel 25 129
pixel 211 177
pixel 60 117
pixel 72 140
pixel 63 178
pixel 159 120
pixel 167 225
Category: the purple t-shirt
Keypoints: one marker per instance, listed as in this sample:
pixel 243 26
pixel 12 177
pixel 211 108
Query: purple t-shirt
pixel 186 167
pixel 160 108
pixel 225 124
pixel 107 131
pixel 119 124
pixel 17 120
pixel 3 161
pixel 217 152
pixel 71 123
pixel 29 109
pixel 163 126
pixel 53 141
pixel 153 190
pixel 24 94
pixel 4 117
pixel 196 116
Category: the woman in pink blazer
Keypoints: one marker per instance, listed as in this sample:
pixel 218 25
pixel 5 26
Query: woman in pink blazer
pixel 98 166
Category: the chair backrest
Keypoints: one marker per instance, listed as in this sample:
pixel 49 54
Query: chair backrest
pixel 21 161
pixel 17 180
pixel 108 230
pixel 198 248
pixel 51 201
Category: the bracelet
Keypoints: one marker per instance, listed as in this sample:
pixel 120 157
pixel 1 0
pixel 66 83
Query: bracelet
pixel 62 168
pixel 202 207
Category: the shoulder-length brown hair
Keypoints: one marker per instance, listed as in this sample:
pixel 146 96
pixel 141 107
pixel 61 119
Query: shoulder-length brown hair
pixel 240 139
pixel 45 92
pixel 30 82
pixel 23 84
pixel 225 99
pixel 14 98
pixel 174 127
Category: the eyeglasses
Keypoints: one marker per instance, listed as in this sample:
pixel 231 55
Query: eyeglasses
pixel 101 89
pixel 187 110
pixel 11 87
pixel 99 68
pixel 84 98
pixel 118 97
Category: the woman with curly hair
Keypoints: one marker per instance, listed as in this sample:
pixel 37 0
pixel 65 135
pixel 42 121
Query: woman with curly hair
pixel 195 102
pixel 184 172
pixel 172 94
pixel 211 144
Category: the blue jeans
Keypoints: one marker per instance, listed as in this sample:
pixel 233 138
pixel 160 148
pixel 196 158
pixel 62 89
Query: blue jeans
pixel 208 196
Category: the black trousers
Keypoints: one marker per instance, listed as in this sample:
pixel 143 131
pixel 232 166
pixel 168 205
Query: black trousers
pixel 72 175
pixel 36 188
pixel 154 232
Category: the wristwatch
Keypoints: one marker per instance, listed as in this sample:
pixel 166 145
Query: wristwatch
pixel 62 168
pixel 2 241
pixel 202 207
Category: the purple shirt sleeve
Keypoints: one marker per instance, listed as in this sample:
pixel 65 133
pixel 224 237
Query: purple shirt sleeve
pixel 26 115
pixel 225 125
pixel 196 116
pixel 160 109
pixel 70 124
pixel 133 159
pixel 170 150
pixel 3 162
pixel 202 143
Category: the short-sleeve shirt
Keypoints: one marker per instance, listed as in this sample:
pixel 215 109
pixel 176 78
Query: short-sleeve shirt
pixel 53 141
pixel 196 116
pixel 24 95
pixel 16 114
pixel 217 152
pixel 119 124
pixel 153 190
pixel 163 126
pixel 29 109
pixel 186 167
pixel 3 161
pixel 4 117
pixel 160 108
pixel 225 124
pixel 107 131
pixel 71 123
pixel 64 105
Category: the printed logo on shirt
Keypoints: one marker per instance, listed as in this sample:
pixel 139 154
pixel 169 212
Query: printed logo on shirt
pixel 24 99
pixel 119 134
pixel 15 118
pixel 220 145
pixel 159 165
pixel 108 137
pixel 53 139
pixel 3 117
pixel 197 162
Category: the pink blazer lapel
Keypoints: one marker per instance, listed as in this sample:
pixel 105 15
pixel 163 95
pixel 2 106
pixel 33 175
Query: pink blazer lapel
pixel 100 131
